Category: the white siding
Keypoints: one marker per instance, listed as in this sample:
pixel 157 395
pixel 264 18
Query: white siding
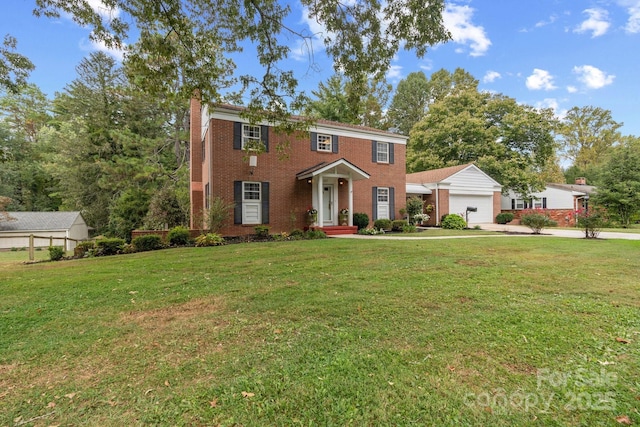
pixel 473 182
pixel 556 198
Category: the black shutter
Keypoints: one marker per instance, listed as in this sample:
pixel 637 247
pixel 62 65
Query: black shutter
pixel 392 203
pixel 237 198
pixel 374 151
pixel 544 203
pixel 264 135
pixel 314 141
pixel 374 198
pixel 513 204
pixel 334 143
pixel 391 157
pixel 237 136
pixel 265 203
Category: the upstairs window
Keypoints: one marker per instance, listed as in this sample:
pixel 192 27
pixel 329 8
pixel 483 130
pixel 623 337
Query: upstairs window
pixel 251 136
pixel 324 143
pixel 382 152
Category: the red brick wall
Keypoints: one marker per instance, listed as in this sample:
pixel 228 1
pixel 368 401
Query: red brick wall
pixel 195 164
pixel 289 196
pixel 564 217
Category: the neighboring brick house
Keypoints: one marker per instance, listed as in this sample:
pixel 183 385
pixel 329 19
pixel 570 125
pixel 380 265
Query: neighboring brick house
pixel 332 167
pixel 454 189
pixel 560 200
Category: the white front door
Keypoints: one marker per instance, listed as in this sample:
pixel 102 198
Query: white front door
pixel 327 204
pixel 383 203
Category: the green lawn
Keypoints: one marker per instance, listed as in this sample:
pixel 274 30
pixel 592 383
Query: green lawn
pixel 335 332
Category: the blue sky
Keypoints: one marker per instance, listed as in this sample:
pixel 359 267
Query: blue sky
pixel 544 53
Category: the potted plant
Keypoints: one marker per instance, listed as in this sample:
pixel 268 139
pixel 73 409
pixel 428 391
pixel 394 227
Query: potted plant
pixel 312 215
pixel 344 216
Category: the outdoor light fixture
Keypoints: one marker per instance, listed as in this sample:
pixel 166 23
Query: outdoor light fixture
pixel 253 162
pixel 341 181
pixel 309 181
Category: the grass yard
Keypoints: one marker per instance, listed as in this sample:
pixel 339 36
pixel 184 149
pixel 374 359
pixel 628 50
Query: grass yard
pixel 335 332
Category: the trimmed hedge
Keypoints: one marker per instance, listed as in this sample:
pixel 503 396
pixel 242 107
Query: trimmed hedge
pixel 150 242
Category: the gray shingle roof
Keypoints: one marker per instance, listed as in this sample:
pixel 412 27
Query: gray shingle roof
pixel 27 221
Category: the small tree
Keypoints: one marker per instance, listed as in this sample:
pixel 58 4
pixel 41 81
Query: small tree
pixel 415 206
pixel 591 220
pixel 218 214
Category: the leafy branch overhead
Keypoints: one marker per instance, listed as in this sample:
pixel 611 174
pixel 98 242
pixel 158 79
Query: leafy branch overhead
pixel 197 39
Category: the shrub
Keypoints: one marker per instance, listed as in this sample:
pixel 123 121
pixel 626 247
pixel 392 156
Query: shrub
pixel 209 239
pixel 296 234
pixel 218 214
pixel 382 224
pixel 536 220
pixel 420 218
pixel 361 220
pixel 592 220
pixel 504 217
pixel 415 205
pixel 82 248
pixel 453 222
pixel 109 246
pixel 262 231
pixel 409 228
pixel 149 242
pixel 398 224
pixel 56 253
pixel 179 236
pixel 313 234
pixel 370 231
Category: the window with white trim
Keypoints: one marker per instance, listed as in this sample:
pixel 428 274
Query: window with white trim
pixel 324 142
pixel 251 136
pixel 251 203
pixel 520 204
pixel 382 152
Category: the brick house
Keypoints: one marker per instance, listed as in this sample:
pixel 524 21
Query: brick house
pixel 331 168
pixel 561 201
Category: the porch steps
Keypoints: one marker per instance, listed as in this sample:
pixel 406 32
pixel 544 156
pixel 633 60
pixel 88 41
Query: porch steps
pixel 338 229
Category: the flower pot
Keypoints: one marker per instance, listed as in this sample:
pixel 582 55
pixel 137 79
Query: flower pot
pixel 344 219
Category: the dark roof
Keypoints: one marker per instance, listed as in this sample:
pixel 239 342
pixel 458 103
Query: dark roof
pixel 26 221
pixel 582 188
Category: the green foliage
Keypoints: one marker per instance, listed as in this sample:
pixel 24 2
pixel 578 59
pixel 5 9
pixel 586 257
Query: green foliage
pixel 504 217
pixel 296 234
pixel 398 224
pixel 592 220
pixel 410 102
pixel 262 231
pixel 536 220
pixel 179 236
pixel 164 210
pixel 619 184
pixel 415 206
pixel 209 239
pixel 314 233
pixel 148 242
pixel 370 231
pixel 409 228
pixel 218 214
pixel 360 220
pixel 453 222
pixel 82 248
pixel 128 212
pixel 14 67
pixel 382 224
pixel 109 246
pixel 509 141
pixel 56 253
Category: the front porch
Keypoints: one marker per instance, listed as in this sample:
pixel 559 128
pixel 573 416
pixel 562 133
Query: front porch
pixel 334 230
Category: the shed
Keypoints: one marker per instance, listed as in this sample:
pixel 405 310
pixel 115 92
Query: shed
pixel 44 226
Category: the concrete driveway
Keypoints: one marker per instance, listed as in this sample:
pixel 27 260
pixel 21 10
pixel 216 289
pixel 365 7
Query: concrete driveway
pixel 578 234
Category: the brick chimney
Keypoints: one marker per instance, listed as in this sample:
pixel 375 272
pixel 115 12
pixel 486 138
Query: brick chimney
pixel 581 181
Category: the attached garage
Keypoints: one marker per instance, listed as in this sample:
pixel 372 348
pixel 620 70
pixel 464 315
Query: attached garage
pixel 456 188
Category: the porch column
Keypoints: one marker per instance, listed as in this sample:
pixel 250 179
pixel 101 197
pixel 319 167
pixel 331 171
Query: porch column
pixel 350 185
pixel 320 201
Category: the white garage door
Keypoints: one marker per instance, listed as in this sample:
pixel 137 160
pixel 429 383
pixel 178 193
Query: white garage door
pixel 458 204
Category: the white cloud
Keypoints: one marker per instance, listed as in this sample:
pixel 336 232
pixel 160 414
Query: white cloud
pixel 633 9
pixel 491 76
pixel 572 89
pixel 551 20
pixel 540 80
pixel 457 19
pixel 592 77
pixel 394 73
pixel 104 11
pixel 597 23
pixel 93 45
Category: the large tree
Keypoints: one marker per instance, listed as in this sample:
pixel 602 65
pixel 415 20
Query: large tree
pixel 14 67
pixel 509 141
pixel 587 133
pixel 619 181
pixel 361 36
